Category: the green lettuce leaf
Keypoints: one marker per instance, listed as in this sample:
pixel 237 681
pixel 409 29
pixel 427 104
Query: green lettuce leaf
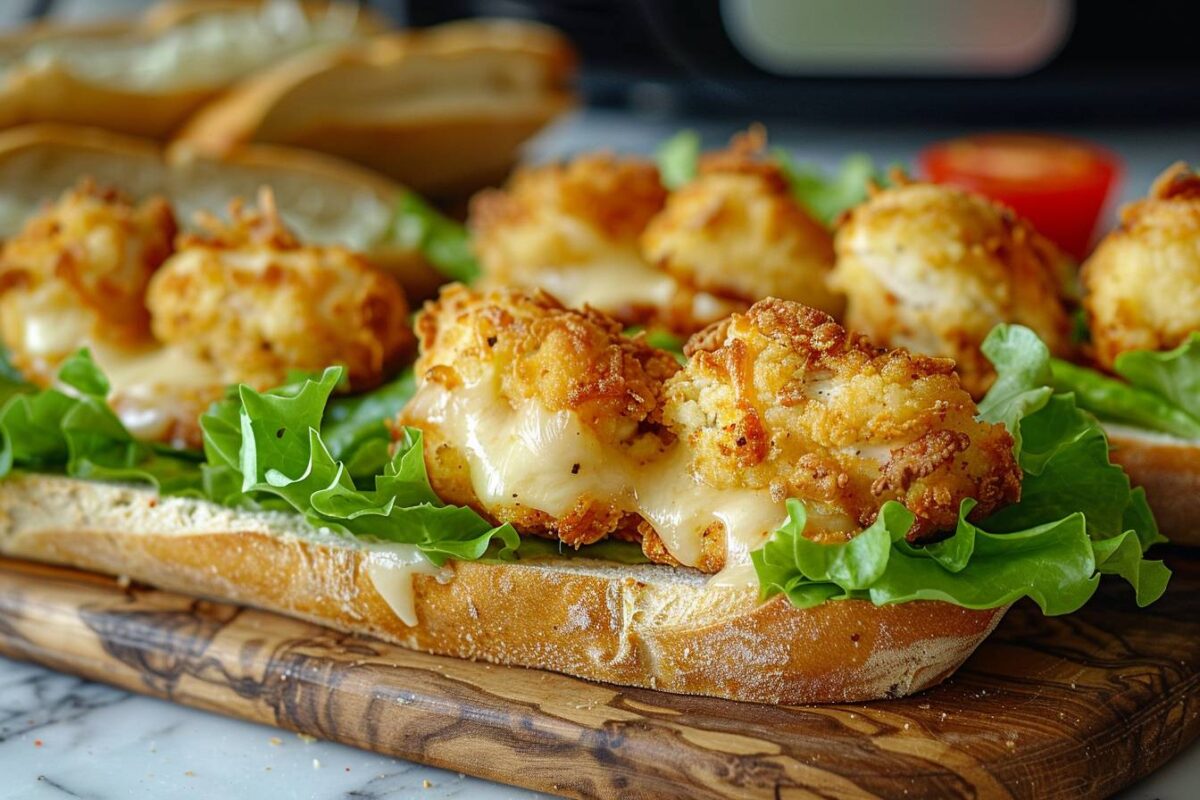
pixel 355 428
pixel 827 196
pixel 678 158
pixel 72 430
pixel 1160 390
pixel 272 441
pixel 1078 518
pixel 444 243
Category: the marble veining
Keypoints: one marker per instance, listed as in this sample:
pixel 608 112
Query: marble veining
pixel 64 737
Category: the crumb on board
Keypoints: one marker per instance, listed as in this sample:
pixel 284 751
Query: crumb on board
pixel 304 737
pixel 428 784
pixel 316 763
pixel 274 741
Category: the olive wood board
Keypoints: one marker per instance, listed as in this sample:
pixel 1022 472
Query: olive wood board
pixel 1076 706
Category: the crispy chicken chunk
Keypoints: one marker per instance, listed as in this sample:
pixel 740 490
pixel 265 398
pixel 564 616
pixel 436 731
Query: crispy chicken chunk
pixel 782 398
pixel 736 231
pixel 1142 283
pixel 530 410
pixel 550 419
pixel 252 301
pixel 572 230
pixel 602 231
pixel 933 269
pixel 76 275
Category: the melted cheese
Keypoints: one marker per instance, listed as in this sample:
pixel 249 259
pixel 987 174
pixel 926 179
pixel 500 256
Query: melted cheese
pixel 549 461
pixel 618 281
pixel 391 568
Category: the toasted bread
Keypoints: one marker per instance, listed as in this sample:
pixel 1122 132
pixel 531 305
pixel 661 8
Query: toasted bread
pixel 146 76
pixel 442 110
pixel 644 625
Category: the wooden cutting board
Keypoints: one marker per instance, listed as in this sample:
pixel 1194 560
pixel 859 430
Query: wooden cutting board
pixel 1066 707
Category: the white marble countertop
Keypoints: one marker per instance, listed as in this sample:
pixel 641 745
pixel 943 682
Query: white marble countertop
pixel 63 737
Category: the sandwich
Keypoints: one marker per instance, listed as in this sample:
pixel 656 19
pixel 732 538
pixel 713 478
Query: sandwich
pixel 1141 367
pixel 324 200
pixel 790 515
pixel 933 268
pixel 146 76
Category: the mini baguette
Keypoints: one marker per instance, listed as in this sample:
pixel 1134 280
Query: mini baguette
pixel 1169 470
pixel 52 89
pixel 647 625
pixel 443 110
pixel 324 199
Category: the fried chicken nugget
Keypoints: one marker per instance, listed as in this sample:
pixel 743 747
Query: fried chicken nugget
pixel 736 231
pixel 1142 283
pixel 252 301
pixel 76 275
pixel 782 398
pixel 572 230
pixel 933 269
pixel 530 409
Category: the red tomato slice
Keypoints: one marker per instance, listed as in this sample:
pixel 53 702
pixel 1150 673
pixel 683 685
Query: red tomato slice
pixel 1058 184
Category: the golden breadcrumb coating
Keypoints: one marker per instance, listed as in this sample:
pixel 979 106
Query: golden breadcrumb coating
pixel 248 298
pixel 550 419
pixel 502 366
pixel 785 399
pixel 1142 283
pixel 933 269
pixel 572 229
pixel 76 275
pixel 737 231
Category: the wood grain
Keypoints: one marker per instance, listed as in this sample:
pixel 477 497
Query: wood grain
pixel 1075 706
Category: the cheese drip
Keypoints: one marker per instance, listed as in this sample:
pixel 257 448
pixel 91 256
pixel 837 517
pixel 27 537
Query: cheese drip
pixel 549 461
pixel 391 568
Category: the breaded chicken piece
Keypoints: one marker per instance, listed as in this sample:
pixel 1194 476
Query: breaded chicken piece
pixel 550 419
pixel 1142 283
pixel 933 269
pixel 737 231
pixel 530 409
pixel 76 275
pixel 572 230
pixel 783 399
pixel 253 302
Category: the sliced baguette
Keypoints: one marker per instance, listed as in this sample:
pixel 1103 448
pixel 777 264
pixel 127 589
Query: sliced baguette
pixel 649 625
pixel 443 110
pixel 1169 469
pixel 325 200
pixel 128 76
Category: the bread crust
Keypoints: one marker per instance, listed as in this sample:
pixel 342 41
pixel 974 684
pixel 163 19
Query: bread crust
pixel 1169 469
pixel 648 625
pixel 431 141
pixel 56 93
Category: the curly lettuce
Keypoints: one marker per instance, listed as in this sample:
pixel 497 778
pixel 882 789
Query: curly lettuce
pixel 1160 390
pixel 444 243
pixel 1078 518
pixel 273 450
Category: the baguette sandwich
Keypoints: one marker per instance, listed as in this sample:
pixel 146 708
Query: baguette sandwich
pixel 1141 374
pixel 790 515
pixel 146 76
pixel 325 200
